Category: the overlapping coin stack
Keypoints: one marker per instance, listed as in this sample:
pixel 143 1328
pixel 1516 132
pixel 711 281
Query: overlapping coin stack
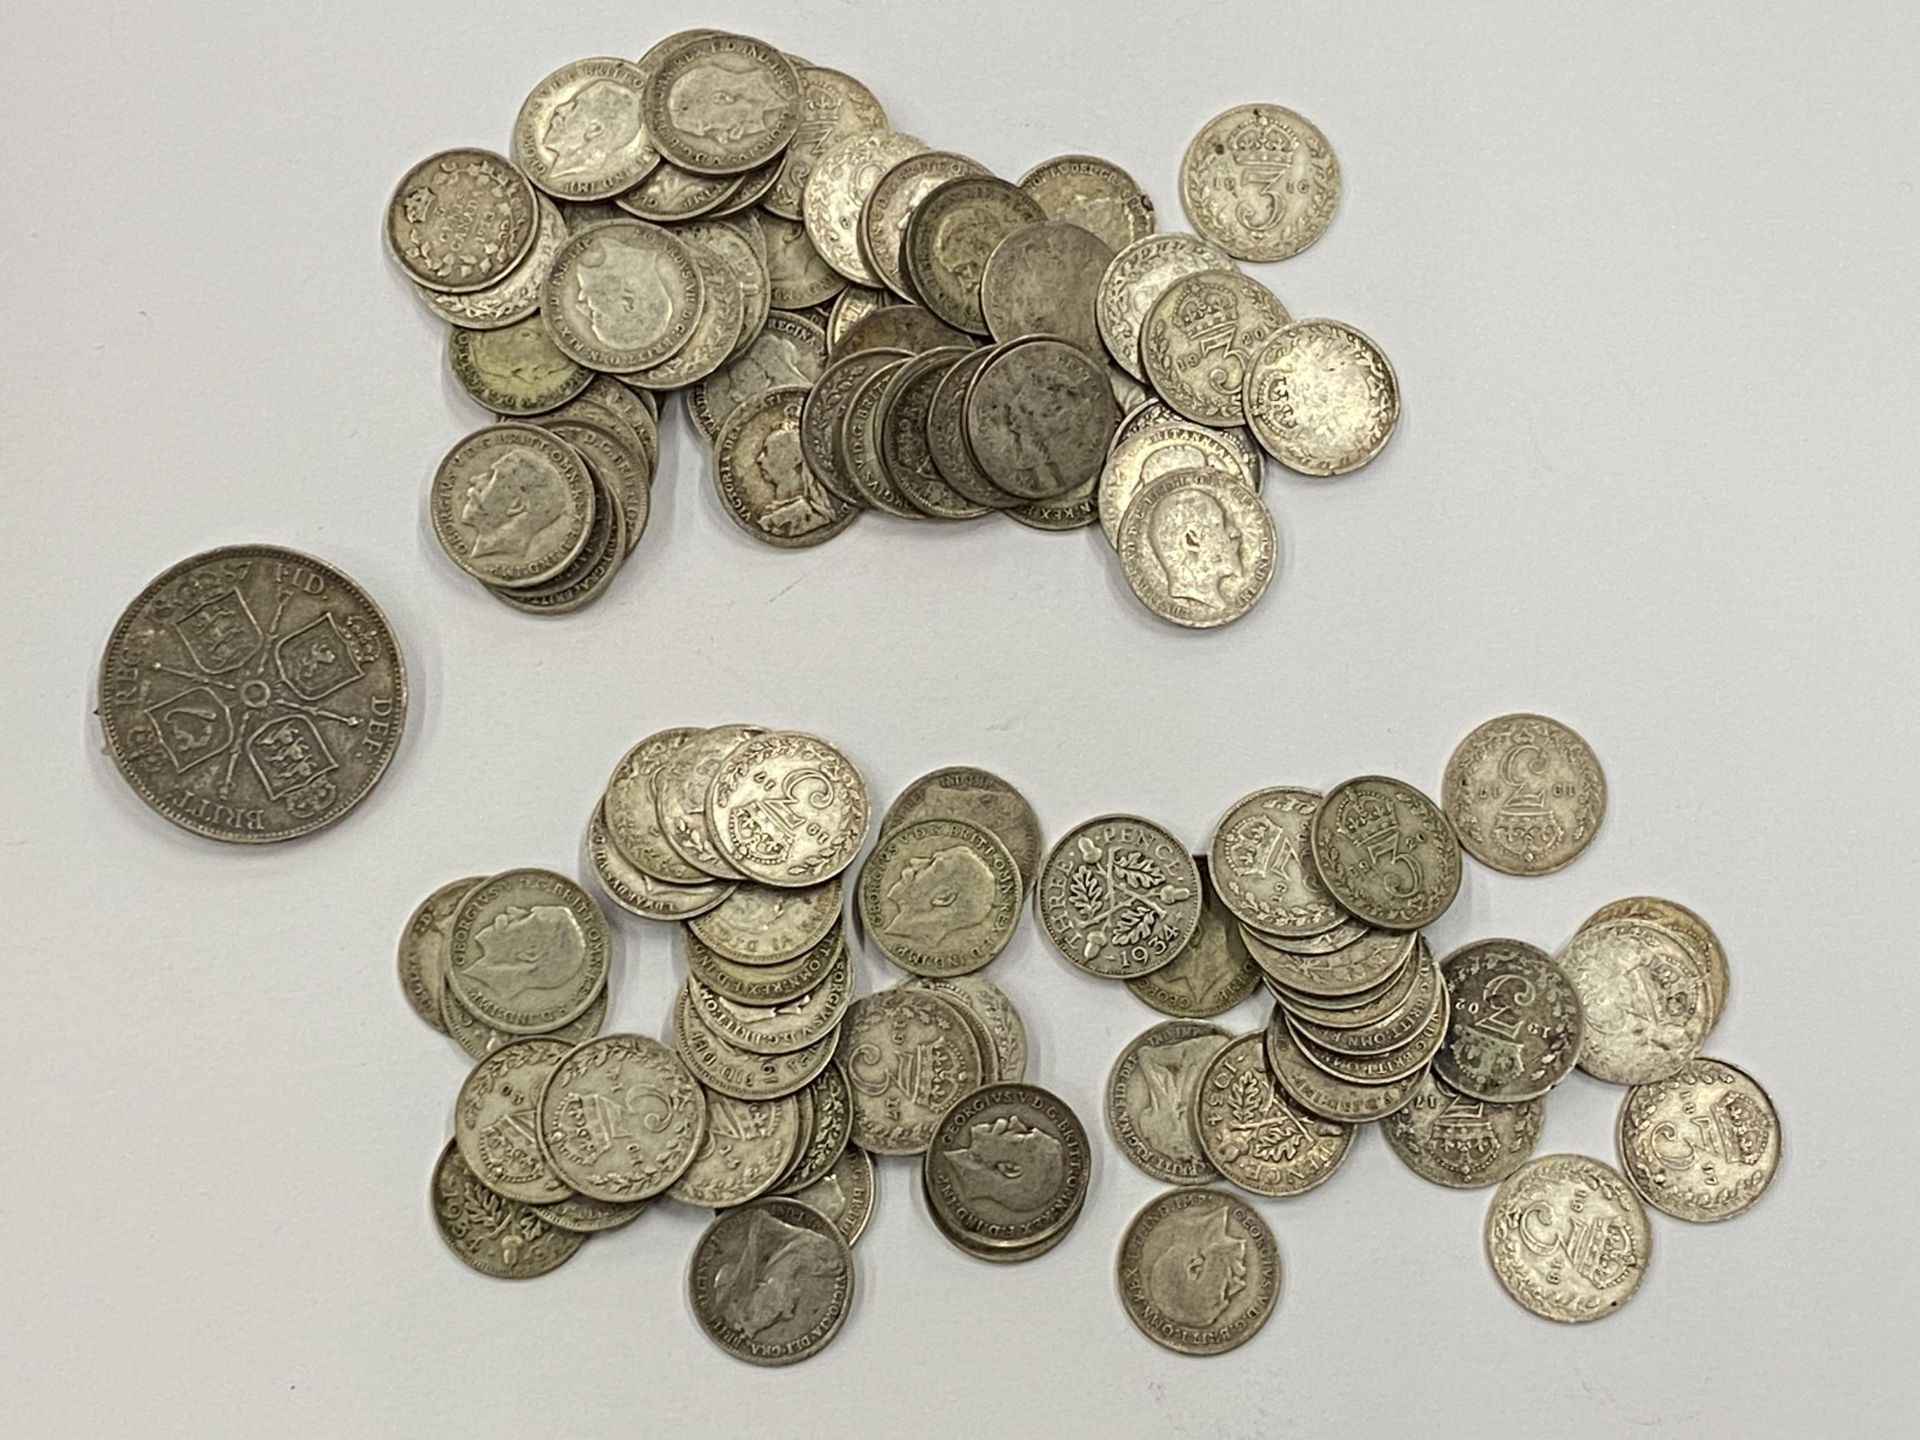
pixel 859 321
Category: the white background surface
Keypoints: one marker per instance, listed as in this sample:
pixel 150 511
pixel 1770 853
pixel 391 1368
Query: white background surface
pixel 1647 274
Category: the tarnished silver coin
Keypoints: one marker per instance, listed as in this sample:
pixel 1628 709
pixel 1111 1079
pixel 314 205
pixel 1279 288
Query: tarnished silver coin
pixel 252 694
pixel 909 1056
pixel 721 1065
pixel 580 134
pixel 622 471
pixel 939 897
pixel 1198 548
pixel 1703 1144
pixel 739 244
pixel 780 983
pixel 1155 413
pixel 949 448
pixel 669 195
pixel 1199 341
pixel 1147 454
pixel 1040 417
pixel 583 1215
pixel 715 332
pixel 833 107
pixel 836 194
pixel 904 432
pixel 461 220
pixel 620 1118
pixel 1199 1271
pixel 767 925
pixel 762 477
pixel 1378 1066
pixel 829 1106
pixel 1453 1139
pixel 857 459
pixel 997 1025
pixel 1410 1006
pixel 589 573
pixel 1386 853
pixel 786 350
pixel 776 1029
pixel 1044 279
pixel 513 298
pixel 683 789
pixel 1007 1168
pixel 1322 398
pixel 771 1281
pixel 639 893
pixel 1214 972
pixel 1318 1093
pixel 479 1039
pixel 787 809
pixel 528 951
pixel 721 104
pixel 423 950
pixel 1645 995
pixel 1252 1131
pixel 1095 194
pixel 623 296
pixel 796 272
pixel 1525 794
pixel 747 1147
pixel 884 216
pixel 494 1235
pixel 1689 928
pixel 910 328
pixel 845 1194
pixel 1262 864
pixel 632 812
pixel 1139 275
pixel 1153 1094
pixel 1260 181
pixel 824 412
pixel 950 237
pixel 1119 897
pixel 1516 1029
pixel 852 305
pixel 966 792
pixel 496 1121
pixel 1412 981
pixel 1568 1238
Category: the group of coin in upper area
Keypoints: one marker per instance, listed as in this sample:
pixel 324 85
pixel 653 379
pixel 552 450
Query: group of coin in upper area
pixel 781 1083
pixel 858 321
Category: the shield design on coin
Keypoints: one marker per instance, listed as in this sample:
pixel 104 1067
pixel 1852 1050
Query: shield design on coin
pixel 221 634
pixel 192 726
pixel 289 754
pixel 316 660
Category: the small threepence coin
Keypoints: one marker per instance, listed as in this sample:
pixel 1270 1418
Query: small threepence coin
pixel 515 370
pixel 461 220
pixel 1318 1092
pixel 1140 275
pixel 760 926
pixel 1200 339
pixel 1044 279
pixel 720 104
pixel 1153 1094
pixel 833 107
pixel 496 1121
pixel 1199 1271
pixel 633 814
pixel 252 694
pixel 909 1055
pixel 623 296
pixel 845 1194
pixel 1525 794
pixel 1453 1139
pixel 684 790
pixel 494 1235
pixel 1260 181
pixel 1568 1238
pixel 1516 1027
pixel 965 792
pixel 997 1023
pixel 1095 194
pixel 1322 398
pixel 423 950
pixel 746 1149
pixel 1254 1134
pixel 511 505
pixel 1040 417
pixel 528 951
pixel 514 298
pixel 1008 1167
pixel 1198 548
pixel 1262 864
pixel 580 134
pixel 836 196
pixel 788 809
pixel 1144 455
pixel 1702 1144
pixel 1687 927
pixel 771 1281
pixel 1646 998
pixel 940 897
pixel 1386 852
pixel 621 1119
pixel 1119 897
pixel 951 236
pixel 884 216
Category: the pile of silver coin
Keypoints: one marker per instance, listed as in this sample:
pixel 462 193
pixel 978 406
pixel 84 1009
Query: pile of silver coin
pixel 858 321
pixel 781 1084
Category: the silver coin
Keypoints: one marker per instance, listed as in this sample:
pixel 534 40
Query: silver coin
pixel 1702 1144
pixel 850 307
pixel 1646 998
pixel 776 1029
pixel 1214 973
pixel 1200 338
pixel 515 297
pixel 845 1194
pixel 721 1065
pixel 966 792
pixel 1453 1139
pixel 1007 1167
pixel 1262 864
pixel 996 1021
pixel 461 220
pixel 786 351
pixel 670 194
pixel 632 813
pixel 1044 279
pixel 1568 1238
pixel 1517 1026
pixel 909 1056
pixel 834 107
pixel 904 433
pixel 1386 852
pixel 1095 194
pixel 766 985
pixel 1260 181
pixel 1322 398
pixel 620 1118
pixel 479 1039
pixel 515 370
pixel 623 296
pixel 1139 275
pixel 1147 454
pixel 496 1121
pixel 583 1215
pixel 830 1106
pixel 824 412
pixel 683 789
pixel 747 1147
pixel 950 237
pixel 423 950
pixel 1119 897
pixel 1152 1096
pixel 1689 928
pixel 528 951
pixel 721 104
pixel 762 925
pixel 639 893
pixel 1254 1133
pixel 883 217
pixel 1155 413
pixel 580 134
pixel 1420 1016
pixel 1199 1271
pixel 1419 971
pixel 1379 1067
pixel 1040 417
pixel 788 809
pixel 511 505
pixel 836 195
pixel 1198 548
pixel 771 1282
pixel 939 897
pixel 716 331
pixel 492 1234
pixel 1319 1093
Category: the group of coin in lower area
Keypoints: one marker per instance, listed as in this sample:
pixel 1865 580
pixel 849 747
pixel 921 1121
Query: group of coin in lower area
pixel 860 322
pixel 782 1084
pixel 1322 898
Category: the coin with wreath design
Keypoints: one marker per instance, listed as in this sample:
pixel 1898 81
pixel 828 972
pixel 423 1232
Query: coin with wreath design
pixel 621 1119
pixel 503 1238
pixel 1525 794
pixel 1568 1238
pixel 1253 1132
pixel 1386 852
pixel 1262 864
pixel 1517 1026
pixel 1119 897
pixel 1702 1144
pixel 788 809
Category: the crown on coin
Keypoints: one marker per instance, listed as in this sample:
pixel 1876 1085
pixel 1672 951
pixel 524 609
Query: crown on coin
pixel 419 204
pixel 1260 142
pixel 1206 312
pixel 1742 1129
pixel 1366 817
